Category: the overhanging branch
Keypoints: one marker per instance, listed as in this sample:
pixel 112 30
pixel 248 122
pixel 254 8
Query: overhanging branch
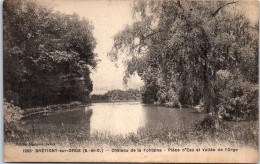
pixel 221 7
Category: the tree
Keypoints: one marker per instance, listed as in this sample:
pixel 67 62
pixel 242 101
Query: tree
pixel 47 55
pixel 118 95
pixel 181 46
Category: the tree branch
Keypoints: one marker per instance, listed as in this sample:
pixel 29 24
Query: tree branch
pixel 216 12
pixel 152 34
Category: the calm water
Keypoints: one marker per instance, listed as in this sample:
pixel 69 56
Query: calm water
pixel 120 118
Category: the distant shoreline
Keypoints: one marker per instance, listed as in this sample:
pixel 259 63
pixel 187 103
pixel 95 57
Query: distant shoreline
pixel 114 101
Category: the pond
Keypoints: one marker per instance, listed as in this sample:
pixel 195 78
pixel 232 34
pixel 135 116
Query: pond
pixel 120 118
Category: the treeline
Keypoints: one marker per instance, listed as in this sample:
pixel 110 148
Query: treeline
pixel 117 95
pixel 193 53
pixel 47 55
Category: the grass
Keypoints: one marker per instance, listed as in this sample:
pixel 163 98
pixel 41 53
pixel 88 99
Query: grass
pixel 236 133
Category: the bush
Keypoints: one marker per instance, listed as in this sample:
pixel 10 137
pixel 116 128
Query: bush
pixel 207 124
pixel 12 121
pixel 238 98
pixel 149 93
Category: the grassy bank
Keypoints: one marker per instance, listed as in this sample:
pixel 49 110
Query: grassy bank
pixel 42 131
pixel 50 109
pixel 238 134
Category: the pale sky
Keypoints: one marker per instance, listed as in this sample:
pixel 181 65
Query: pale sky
pixel 108 18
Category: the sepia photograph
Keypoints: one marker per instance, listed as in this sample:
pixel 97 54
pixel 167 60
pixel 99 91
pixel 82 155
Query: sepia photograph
pixel 131 81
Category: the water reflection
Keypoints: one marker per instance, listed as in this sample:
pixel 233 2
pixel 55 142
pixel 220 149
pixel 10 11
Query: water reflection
pixel 117 118
pixel 171 118
pixel 125 118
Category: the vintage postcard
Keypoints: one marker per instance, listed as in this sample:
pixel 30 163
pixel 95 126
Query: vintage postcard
pixel 130 81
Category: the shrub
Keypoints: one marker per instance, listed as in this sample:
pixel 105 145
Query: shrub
pixel 238 98
pixel 149 93
pixel 12 121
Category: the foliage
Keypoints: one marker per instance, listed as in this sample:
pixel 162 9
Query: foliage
pixel 12 121
pixel 179 47
pixel 239 98
pixel 47 55
pixel 118 95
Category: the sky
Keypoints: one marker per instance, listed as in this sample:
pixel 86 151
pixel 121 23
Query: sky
pixel 108 18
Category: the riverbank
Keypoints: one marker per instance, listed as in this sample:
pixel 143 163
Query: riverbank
pixel 35 112
pixel 124 124
pixel 243 134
